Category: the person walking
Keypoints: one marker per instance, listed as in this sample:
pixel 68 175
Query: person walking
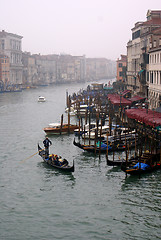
pixel 47 143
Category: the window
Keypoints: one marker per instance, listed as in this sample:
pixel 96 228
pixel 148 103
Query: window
pixel 136 35
pixel 120 65
pixel 147 76
pixel 3 45
pixel 159 41
pixel 155 43
pixel 151 77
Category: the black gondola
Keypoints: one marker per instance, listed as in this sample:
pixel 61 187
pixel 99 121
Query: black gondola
pixel 119 146
pixel 146 164
pixel 119 162
pixel 61 164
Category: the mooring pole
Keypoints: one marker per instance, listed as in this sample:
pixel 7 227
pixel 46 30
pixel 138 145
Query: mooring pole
pixel 61 126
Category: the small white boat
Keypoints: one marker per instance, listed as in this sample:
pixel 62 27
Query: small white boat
pixel 78 132
pixel 41 99
pixel 91 134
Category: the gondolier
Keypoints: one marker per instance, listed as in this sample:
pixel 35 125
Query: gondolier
pixel 47 143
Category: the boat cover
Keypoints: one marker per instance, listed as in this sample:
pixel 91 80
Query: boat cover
pixel 142 166
pixel 151 118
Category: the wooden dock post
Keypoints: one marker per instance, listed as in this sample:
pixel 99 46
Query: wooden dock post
pixel 67 104
pixel 79 128
pixel 95 141
pixel 89 128
pixel 61 126
pixel 68 122
pixel 100 140
pixel 107 147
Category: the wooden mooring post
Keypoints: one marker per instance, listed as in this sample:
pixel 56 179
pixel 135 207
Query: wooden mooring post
pixel 61 126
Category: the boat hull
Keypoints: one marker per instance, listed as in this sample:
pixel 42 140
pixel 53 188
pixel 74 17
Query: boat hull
pixel 137 167
pixel 64 130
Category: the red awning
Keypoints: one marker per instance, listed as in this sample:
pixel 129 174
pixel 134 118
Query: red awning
pixel 118 100
pixel 136 98
pixel 125 92
pixel 151 118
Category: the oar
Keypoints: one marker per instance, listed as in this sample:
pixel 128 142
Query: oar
pixel 32 155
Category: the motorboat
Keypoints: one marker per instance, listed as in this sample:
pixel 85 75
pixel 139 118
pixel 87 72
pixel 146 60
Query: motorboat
pixel 91 134
pixel 85 129
pixel 57 128
pixel 41 99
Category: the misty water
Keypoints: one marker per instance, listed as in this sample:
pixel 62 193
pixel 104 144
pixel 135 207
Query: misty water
pixel 40 203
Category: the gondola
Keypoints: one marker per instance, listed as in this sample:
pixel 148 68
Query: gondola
pixel 114 162
pixel 119 162
pixel 146 164
pixel 61 164
pixel 102 149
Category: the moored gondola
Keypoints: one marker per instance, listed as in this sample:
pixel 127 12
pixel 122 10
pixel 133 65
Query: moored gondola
pixel 119 146
pixel 55 161
pixel 119 162
pixel 145 164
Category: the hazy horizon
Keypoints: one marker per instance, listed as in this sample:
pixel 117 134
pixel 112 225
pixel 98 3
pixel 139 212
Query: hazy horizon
pixel 95 28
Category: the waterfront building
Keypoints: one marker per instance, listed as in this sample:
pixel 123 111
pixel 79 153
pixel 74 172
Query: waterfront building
pixel 155 69
pixel 121 68
pixel 138 53
pixel 46 69
pixel 4 72
pixel 10 45
pixel 29 70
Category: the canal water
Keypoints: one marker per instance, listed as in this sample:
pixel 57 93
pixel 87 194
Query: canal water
pixel 40 203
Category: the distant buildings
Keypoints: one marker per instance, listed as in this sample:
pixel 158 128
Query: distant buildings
pixel 99 68
pixel 21 69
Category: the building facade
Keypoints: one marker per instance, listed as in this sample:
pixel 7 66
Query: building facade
pixel 121 68
pixel 138 53
pixel 4 72
pixel 155 69
pixel 10 45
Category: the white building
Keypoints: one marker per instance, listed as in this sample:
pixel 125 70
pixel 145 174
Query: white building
pixel 155 70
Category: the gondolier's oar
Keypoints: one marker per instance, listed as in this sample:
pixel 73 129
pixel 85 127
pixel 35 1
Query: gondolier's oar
pixel 32 155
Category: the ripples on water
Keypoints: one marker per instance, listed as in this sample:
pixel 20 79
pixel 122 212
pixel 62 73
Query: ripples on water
pixel 94 202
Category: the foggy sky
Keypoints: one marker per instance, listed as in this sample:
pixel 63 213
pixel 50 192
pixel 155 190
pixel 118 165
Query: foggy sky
pixel 95 28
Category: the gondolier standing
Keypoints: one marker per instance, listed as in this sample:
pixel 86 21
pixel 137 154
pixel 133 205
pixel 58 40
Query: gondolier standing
pixel 47 143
